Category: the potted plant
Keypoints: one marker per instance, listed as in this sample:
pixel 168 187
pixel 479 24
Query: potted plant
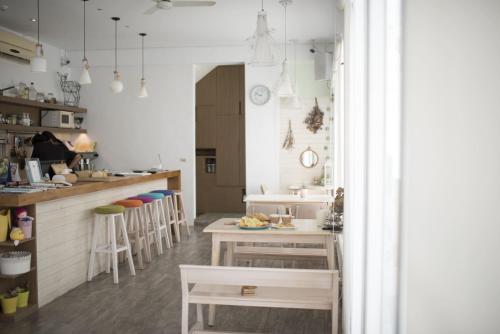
pixel 23 295
pixel 9 302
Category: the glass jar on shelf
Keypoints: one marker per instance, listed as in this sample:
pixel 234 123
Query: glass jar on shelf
pixel 22 91
pixel 40 97
pixel 32 93
pixel 25 119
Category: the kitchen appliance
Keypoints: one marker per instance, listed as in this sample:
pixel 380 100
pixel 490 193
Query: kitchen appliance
pixel 58 119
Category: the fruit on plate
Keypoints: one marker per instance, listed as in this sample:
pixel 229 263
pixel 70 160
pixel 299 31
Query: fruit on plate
pixel 252 222
pixel 260 216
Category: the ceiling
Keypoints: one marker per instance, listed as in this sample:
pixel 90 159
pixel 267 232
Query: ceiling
pixel 229 22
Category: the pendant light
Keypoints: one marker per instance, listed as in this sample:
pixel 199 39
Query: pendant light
pixel 143 92
pixel 284 87
pixel 85 76
pixel 116 85
pixel 262 42
pixel 38 62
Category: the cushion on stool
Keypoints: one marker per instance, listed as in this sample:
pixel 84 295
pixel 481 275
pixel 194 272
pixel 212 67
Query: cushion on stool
pixel 109 209
pixel 143 199
pixel 153 195
pixel 164 192
pixel 129 203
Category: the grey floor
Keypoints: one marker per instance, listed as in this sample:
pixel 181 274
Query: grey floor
pixel 151 302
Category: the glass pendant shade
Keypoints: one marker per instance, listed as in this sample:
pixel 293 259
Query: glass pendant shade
pixel 262 43
pixel 284 87
pixel 116 85
pixel 143 91
pixel 39 63
pixel 85 76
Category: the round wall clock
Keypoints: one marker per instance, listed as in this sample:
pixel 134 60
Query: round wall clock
pixel 260 95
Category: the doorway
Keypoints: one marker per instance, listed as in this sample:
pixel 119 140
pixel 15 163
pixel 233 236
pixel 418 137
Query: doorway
pixel 220 141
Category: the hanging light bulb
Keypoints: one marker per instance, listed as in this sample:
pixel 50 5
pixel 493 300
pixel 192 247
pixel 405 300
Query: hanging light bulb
pixel 262 42
pixel 284 86
pixel 142 91
pixel 116 85
pixel 85 76
pixel 38 62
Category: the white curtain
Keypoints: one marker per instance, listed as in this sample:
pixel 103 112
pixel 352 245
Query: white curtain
pixel 338 114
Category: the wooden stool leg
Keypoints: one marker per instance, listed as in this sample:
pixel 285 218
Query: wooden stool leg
pixel 138 240
pixel 127 244
pixel 183 214
pixel 141 216
pixel 170 203
pixel 168 217
pixel 114 253
pixel 154 215
pixel 164 220
pixel 93 249
pixel 108 243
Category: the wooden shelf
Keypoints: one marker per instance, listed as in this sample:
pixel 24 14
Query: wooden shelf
pixel 20 314
pixel 16 276
pixel 40 105
pixel 34 129
pixel 10 243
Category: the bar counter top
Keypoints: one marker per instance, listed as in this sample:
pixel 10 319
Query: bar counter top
pixel 79 188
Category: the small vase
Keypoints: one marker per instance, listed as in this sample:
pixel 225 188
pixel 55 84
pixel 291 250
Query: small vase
pixel 23 298
pixel 9 305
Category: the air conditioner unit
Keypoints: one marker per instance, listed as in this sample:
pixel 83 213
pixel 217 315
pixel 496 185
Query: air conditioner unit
pixel 16 46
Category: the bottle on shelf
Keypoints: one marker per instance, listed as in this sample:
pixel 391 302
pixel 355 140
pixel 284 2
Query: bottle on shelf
pixel 22 90
pixel 32 93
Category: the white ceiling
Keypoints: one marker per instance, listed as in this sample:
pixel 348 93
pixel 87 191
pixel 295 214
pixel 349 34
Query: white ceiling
pixel 229 22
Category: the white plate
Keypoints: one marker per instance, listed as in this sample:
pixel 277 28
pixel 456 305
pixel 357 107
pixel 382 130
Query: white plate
pixel 276 226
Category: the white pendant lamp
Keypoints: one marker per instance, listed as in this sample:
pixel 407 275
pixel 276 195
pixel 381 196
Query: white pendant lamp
pixel 85 76
pixel 116 85
pixel 262 42
pixel 142 91
pixel 38 62
pixel 284 86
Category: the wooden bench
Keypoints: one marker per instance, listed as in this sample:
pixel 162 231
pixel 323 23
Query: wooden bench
pixel 282 288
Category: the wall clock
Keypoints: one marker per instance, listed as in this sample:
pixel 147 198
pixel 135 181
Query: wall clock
pixel 260 95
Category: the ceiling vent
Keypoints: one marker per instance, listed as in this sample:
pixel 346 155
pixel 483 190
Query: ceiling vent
pixel 13 45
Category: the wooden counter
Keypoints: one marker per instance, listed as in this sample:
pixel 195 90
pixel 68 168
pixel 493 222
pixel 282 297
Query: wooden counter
pixel 62 231
pixel 80 188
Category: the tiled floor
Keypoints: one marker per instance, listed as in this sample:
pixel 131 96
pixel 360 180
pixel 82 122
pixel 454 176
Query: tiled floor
pixel 150 302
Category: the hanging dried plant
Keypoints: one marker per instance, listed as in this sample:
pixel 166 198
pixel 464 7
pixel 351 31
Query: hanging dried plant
pixel 314 120
pixel 289 142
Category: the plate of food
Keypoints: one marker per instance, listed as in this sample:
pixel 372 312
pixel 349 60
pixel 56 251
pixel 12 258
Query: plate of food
pixel 254 222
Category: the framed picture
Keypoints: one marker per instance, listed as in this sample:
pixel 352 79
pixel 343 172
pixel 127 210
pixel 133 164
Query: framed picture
pixel 34 170
pixel 14 172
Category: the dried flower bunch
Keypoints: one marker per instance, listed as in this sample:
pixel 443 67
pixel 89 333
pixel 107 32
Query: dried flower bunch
pixel 338 206
pixel 314 120
pixel 289 142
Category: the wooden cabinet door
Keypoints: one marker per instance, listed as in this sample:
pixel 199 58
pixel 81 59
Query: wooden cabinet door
pixel 206 127
pixel 206 90
pixel 228 90
pixel 228 150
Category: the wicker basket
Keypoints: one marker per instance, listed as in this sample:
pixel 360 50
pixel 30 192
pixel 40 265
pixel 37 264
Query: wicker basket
pixel 15 263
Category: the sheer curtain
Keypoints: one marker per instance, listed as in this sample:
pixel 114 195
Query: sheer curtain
pixel 338 114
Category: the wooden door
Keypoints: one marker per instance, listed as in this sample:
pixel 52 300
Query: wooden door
pixel 228 90
pixel 228 150
pixel 206 127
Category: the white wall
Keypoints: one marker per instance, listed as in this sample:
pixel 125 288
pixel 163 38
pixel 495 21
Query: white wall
pixel 451 190
pixel 291 170
pixel 12 72
pixel 170 77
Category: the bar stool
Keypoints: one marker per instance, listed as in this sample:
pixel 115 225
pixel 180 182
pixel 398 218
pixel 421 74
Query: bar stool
pixel 168 203
pixel 149 222
pixel 180 212
pixel 110 214
pixel 136 228
pixel 160 219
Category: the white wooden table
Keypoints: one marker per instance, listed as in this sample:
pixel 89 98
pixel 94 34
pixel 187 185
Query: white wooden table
pixel 307 231
pixel 287 201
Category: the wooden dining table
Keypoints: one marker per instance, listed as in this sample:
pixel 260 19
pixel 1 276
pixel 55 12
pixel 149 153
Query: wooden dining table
pixel 306 231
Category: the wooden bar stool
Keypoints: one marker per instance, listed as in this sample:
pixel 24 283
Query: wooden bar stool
pixel 168 203
pixel 110 214
pixel 160 219
pixel 149 223
pixel 180 212
pixel 136 228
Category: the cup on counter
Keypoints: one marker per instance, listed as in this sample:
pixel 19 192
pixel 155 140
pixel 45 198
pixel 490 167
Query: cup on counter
pixel 287 219
pixel 274 218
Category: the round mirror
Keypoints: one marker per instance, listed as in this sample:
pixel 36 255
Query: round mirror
pixel 309 158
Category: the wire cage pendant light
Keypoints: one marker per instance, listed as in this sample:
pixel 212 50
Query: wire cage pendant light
pixel 142 91
pixel 284 86
pixel 116 85
pixel 262 42
pixel 85 76
pixel 38 62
